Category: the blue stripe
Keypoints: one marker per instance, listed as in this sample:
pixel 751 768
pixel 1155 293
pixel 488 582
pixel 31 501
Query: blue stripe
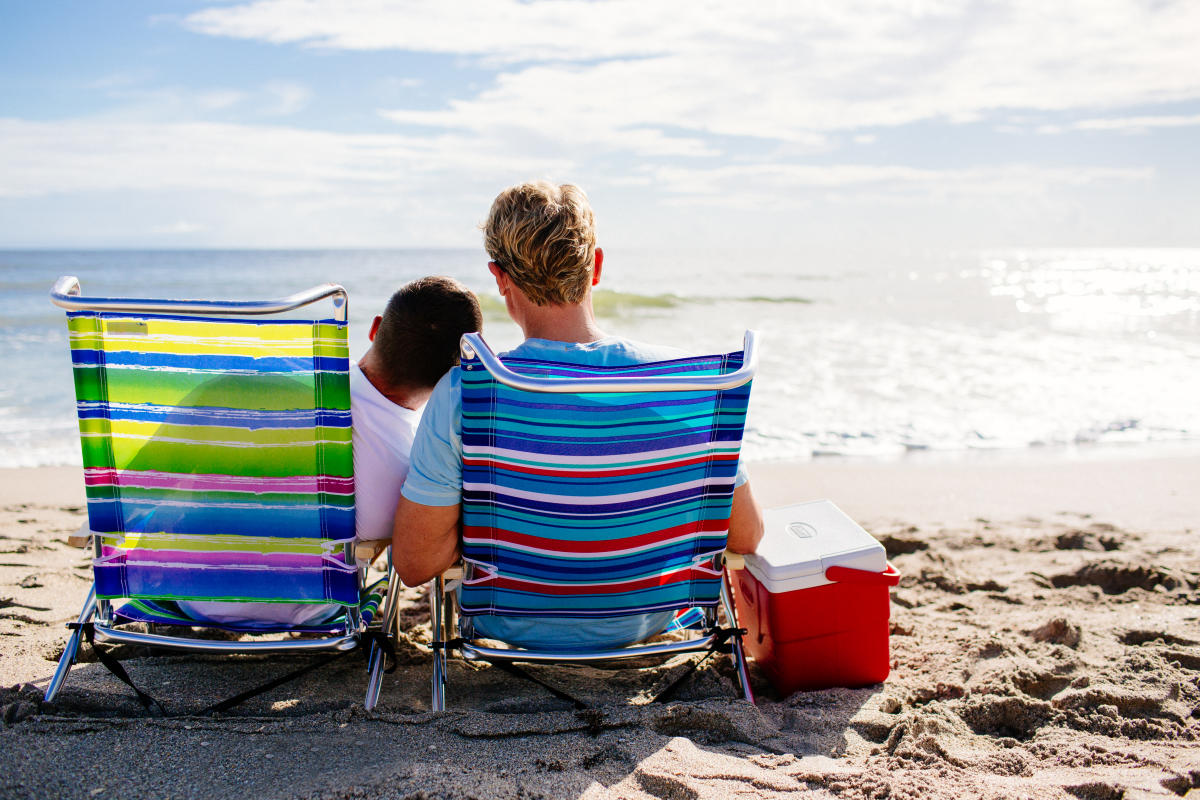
pixel 680 495
pixel 616 446
pixel 599 527
pixel 585 516
pixel 598 487
pixel 299 521
pixel 521 564
pixel 478 399
pixel 168 582
pixel 699 592
pixel 209 361
pixel 250 419
pixel 686 365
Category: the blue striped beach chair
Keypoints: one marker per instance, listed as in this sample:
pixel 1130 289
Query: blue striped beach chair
pixel 594 492
pixel 219 468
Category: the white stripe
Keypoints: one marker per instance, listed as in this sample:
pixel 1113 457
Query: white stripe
pixel 594 499
pixel 641 510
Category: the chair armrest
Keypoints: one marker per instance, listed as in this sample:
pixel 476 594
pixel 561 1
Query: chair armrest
pixel 81 537
pixel 734 560
pixel 454 573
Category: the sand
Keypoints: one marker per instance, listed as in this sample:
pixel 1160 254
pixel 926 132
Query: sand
pixel 1045 641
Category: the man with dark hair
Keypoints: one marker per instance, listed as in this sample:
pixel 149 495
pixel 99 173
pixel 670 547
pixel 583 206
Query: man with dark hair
pixel 413 344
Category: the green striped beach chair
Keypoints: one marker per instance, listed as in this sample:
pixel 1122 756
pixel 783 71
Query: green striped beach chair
pixel 219 470
pixel 591 493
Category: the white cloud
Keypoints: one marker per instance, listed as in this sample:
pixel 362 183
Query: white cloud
pixel 179 227
pixel 285 98
pixel 761 184
pixel 40 158
pixel 1125 124
pixel 780 71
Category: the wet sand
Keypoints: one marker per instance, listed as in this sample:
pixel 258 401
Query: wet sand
pixel 1045 639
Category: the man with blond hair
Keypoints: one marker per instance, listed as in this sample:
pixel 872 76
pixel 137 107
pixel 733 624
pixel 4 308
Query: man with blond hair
pixel 542 242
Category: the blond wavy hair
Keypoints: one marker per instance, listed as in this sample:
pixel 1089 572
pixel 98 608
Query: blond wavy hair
pixel 544 237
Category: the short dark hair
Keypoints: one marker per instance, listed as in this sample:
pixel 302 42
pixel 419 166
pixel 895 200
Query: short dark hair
pixel 418 339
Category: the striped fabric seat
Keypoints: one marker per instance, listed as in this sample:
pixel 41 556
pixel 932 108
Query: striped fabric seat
pixel 596 504
pixel 217 457
pixel 160 613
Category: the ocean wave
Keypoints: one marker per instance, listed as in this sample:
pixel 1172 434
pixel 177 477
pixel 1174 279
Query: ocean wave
pixel 610 303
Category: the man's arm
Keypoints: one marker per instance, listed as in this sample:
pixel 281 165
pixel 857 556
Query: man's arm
pixel 425 528
pixel 745 521
pixel 424 540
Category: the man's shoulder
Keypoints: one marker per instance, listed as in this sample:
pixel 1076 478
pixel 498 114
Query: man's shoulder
pixel 612 351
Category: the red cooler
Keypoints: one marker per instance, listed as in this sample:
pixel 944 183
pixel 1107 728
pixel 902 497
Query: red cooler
pixel 814 598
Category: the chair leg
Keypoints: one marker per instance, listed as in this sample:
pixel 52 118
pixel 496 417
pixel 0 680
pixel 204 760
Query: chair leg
pixel 739 654
pixel 387 621
pixel 438 623
pixel 72 648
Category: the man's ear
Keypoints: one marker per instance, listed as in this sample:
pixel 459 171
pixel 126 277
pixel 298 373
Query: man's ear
pixel 501 277
pixel 598 266
pixel 374 327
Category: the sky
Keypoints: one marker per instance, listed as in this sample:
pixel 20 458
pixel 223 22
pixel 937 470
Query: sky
pixel 772 125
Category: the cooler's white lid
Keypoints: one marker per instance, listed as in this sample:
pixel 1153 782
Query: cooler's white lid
pixel 803 540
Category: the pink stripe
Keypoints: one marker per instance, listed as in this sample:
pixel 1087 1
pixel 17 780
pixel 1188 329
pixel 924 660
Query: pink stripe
pixel 208 483
pixel 137 555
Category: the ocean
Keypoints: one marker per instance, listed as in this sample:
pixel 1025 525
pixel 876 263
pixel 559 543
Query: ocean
pixel 936 354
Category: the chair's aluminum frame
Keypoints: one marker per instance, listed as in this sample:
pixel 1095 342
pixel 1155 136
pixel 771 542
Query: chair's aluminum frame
pixel 442 610
pixel 473 345
pixel 66 294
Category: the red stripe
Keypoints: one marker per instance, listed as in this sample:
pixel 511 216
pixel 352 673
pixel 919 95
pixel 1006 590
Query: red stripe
pixel 595 472
pixel 516 584
pixel 479 532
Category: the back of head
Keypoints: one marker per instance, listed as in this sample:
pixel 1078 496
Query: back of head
pixel 417 341
pixel 544 237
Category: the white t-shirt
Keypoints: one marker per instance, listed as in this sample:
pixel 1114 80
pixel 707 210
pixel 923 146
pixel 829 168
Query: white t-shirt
pixel 383 436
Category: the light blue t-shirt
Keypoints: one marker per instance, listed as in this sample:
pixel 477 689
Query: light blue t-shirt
pixel 435 479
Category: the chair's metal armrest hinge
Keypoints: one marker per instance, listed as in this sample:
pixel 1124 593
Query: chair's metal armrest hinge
pixel 81 537
pixel 365 552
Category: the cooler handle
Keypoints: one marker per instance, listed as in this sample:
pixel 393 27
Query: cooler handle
pixel 889 577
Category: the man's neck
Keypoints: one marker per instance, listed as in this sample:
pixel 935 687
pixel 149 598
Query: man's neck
pixel 561 323
pixel 404 397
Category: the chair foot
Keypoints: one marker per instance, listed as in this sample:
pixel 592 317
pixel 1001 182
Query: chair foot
pixel 377 659
pixel 440 634
pixel 743 674
pixel 374 677
pixel 738 654
pixel 71 650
